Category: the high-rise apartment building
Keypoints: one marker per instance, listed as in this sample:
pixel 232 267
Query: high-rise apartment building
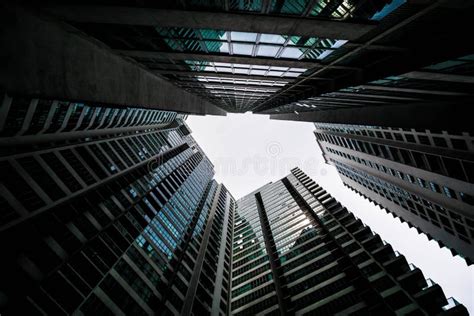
pixel 431 97
pixel 297 251
pixel 108 206
pixel 108 211
pixel 424 177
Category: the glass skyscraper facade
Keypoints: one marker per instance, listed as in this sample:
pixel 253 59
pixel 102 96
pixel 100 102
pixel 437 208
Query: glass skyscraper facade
pixel 108 211
pixel 296 250
pixel 424 177
pixel 108 205
pixel 278 57
pixel 114 211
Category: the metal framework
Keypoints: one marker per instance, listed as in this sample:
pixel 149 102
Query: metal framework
pixel 311 47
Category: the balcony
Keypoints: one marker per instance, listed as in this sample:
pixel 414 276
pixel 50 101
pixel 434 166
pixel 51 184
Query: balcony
pixel 384 253
pixel 431 297
pixel 397 265
pixel 454 308
pixel 372 243
pixel 413 280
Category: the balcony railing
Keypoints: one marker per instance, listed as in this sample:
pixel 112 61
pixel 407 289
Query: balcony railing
pixel 451 303
pixel 429 283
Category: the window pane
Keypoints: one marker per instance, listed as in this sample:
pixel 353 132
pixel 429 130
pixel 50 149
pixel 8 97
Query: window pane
pixel 291 52
pixel 265 50
pixel 242 49
pixel 271 38
pixel 243 36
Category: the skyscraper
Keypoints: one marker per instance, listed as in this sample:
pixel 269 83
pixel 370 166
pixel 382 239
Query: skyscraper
pixel 108 204
pixel 296 250
pixel 424 177
pixel 213 57
pixel 431 97
pixel 108 211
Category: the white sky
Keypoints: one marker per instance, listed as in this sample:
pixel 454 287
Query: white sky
pixel 250 150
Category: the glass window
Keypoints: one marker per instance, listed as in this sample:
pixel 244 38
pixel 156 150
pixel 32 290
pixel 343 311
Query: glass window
pixel 266 50
pixel 240 71
pixel 449 192
pixel 298 69
pixel 293 40
pixel 243 36
pixel 466 198
pixel 223 69
pixel 19 187
pixel 41 176
pixel 272 39
pixel 419 161
pixel 454 168
pixel 424 140
pixel 242 49
pixel 275 73
pixel 63 173
pixel 292 74
pixel 120 296
pixel 257 72
pixel 440 142
pixel 279 68
pixel 224 47
pixel 410 138
pixel 291 52
pixel 469 169
pixel 459 144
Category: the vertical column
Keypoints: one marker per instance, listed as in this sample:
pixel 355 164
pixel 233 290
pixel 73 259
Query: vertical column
pixel 193 284
pixel 367 292
pixel 271 250
pixel 220 264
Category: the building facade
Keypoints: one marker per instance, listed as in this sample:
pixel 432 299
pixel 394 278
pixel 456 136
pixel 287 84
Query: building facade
pixel 114 211
pixel 297 251
pixel 424 177
pixel 430 97
pixel 214 57
pixel 108 211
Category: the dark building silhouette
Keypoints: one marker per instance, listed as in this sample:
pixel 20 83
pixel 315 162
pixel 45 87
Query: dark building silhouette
pixel 323 61
pixel 108 211
pixel 112 210
pixel 296 250
pixel 434 97
pixel 108 206
pixel 424 177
